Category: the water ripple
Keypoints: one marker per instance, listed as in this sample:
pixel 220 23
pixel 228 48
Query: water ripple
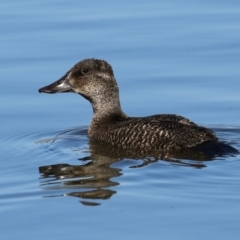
pixel 70 165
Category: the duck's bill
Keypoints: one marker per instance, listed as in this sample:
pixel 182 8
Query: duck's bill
pixel 61 85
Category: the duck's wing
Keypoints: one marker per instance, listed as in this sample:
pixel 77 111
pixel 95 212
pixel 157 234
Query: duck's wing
pixel 171 118
pixel 155 132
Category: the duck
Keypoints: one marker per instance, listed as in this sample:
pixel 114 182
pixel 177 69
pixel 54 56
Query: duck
pixel 94 80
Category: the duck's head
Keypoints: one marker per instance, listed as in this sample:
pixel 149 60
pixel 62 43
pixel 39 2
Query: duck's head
pixel 91 78
pixel 94 80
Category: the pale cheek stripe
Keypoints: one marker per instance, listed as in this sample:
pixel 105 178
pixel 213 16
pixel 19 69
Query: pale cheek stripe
pixel 69 75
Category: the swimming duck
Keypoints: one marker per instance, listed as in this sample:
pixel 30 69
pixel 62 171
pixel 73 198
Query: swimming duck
pixel 94 80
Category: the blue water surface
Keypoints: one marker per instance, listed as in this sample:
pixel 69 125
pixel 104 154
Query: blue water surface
pixel 172 56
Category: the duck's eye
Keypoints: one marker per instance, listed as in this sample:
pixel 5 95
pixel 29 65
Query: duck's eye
pixel 84 70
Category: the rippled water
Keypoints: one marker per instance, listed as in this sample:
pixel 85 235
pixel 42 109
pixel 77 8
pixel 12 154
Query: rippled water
pixel 46 167
pixel 168 57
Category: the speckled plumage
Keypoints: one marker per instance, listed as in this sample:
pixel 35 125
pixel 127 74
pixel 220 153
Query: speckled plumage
pixel 153 132
pixel 94 80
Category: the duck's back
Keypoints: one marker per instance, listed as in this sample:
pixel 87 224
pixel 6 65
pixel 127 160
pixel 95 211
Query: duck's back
pixel 166 131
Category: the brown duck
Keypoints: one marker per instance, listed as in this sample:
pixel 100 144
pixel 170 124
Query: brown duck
pixel 95 81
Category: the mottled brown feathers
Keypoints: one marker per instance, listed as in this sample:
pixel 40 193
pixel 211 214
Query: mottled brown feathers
pixel 153 132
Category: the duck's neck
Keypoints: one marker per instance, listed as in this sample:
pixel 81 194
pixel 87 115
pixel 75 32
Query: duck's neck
pixel 104 109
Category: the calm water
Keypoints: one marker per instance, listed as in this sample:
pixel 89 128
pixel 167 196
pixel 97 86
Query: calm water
pixel 168 57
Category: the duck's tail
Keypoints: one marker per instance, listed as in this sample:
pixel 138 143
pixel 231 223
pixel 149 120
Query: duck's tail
pixel 216 148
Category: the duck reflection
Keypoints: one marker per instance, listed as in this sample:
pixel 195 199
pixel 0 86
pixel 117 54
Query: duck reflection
pixel 90 178
pixel 93 179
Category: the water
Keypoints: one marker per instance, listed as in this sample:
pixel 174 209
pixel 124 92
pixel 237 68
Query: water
pixel 168 57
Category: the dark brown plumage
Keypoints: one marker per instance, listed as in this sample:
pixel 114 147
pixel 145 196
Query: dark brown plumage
pixel 153 132
pixel 94 80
